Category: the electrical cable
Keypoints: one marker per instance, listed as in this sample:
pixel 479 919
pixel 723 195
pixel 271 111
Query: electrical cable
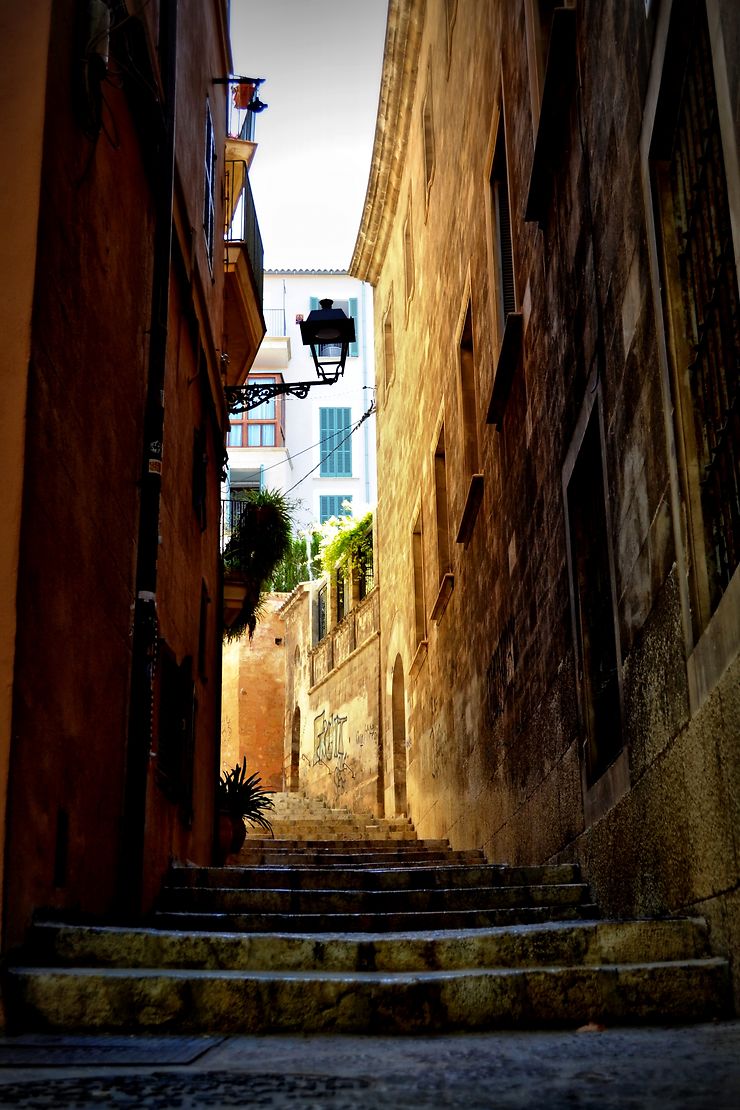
pixel 351 432
pixel 304 451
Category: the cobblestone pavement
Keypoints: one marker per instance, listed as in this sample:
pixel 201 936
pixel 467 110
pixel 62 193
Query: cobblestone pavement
pixel 688 1068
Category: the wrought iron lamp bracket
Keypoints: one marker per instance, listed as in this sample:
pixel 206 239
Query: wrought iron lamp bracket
pixel 242 398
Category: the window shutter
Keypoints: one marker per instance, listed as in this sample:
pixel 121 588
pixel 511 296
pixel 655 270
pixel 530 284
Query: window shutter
pixel 507 258
pixel 331 505
pixel 325 430
pixel 314 304
pixel 335 455
pixel 354 347
pixel 262 476
pixel 344 454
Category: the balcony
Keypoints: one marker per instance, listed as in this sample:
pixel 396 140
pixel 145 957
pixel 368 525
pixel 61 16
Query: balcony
pixel 275 321
pixel 359 625
pixel 274 353
pixel 244 272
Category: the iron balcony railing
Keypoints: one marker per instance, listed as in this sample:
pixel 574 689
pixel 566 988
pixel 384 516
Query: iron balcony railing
pixel 232 511
pixel 242 229
pixel 275 321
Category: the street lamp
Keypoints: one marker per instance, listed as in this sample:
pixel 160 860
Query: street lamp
pixel 328 332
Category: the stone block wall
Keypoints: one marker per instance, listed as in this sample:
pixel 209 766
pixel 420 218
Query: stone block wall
pixel 332 704
pixel 492 697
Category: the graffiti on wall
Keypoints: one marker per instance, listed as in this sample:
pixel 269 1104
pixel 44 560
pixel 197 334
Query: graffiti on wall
pixel 328 734
pixel 365 735
pixel 329 748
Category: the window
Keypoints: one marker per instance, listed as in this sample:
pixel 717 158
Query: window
pixel 178 707
pixel 341 595
pixel 592 604
pixel 335 444
pixel 467 395
pixel 502 245
pixel 334 505
pixel 428 135
pixel 389 347
pixel 242 481
pixel 365 576
pixel 701 305
pixel 408 255
pixel 450 16
pixel 539 30
pixel 200 475
pixel 209 190
pixel 262 426
pixel 417 559
pixel 321 613
pixel 349 308
pixel 440 493
pixel 203 632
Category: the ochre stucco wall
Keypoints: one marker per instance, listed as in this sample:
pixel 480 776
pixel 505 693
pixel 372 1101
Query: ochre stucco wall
pixel 87 372
pixel 253 699
pixel 24 43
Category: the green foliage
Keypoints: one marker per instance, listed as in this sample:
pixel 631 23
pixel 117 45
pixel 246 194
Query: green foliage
pixel 260 538
pixel 294 567
pixel 242 796
pixel 351 546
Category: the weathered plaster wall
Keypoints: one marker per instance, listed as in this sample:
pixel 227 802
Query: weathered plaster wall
pixel 253 698
pixel 87 372
pixel 492 706
pixel 24 39
pixel 80 505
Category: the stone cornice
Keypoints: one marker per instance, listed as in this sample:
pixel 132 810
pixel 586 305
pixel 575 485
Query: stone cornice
pixel 397 87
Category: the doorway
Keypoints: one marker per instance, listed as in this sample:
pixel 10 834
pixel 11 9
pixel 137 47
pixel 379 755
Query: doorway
pixel 295 750
pixel 398 726
pixel 593 610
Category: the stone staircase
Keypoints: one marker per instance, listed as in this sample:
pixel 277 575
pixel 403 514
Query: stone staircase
pixel 297 817
pixel 363 935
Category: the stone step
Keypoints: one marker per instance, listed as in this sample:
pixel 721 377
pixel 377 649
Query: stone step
pixel 334 830
pixel 366 845
pixel 394 900
pixel 334 858
pixel 552 944
pixel 228 1001
pixel 400 921
pixel 398 876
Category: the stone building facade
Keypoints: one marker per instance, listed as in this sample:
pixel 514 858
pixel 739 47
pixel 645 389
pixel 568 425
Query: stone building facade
pixel 127 303
pixel 552 227
pixel 333 745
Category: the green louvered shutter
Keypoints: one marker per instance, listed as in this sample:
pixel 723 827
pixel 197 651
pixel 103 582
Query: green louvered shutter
pixel 354 348
pixel 336 456
pixel 334 505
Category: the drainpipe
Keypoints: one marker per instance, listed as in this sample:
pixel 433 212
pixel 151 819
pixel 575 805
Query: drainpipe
pixel 146 632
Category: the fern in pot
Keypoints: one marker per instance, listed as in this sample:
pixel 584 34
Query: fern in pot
pixel 241 798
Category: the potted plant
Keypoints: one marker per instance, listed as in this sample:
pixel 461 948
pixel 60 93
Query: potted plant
pixel 241 798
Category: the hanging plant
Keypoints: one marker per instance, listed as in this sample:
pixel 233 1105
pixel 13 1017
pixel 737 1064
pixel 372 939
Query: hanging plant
pixel 259 540
pixel 351 546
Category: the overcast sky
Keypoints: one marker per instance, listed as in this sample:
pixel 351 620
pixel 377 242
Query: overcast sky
pixel 321 62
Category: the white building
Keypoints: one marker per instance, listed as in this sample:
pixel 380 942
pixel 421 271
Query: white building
pixel 311 448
